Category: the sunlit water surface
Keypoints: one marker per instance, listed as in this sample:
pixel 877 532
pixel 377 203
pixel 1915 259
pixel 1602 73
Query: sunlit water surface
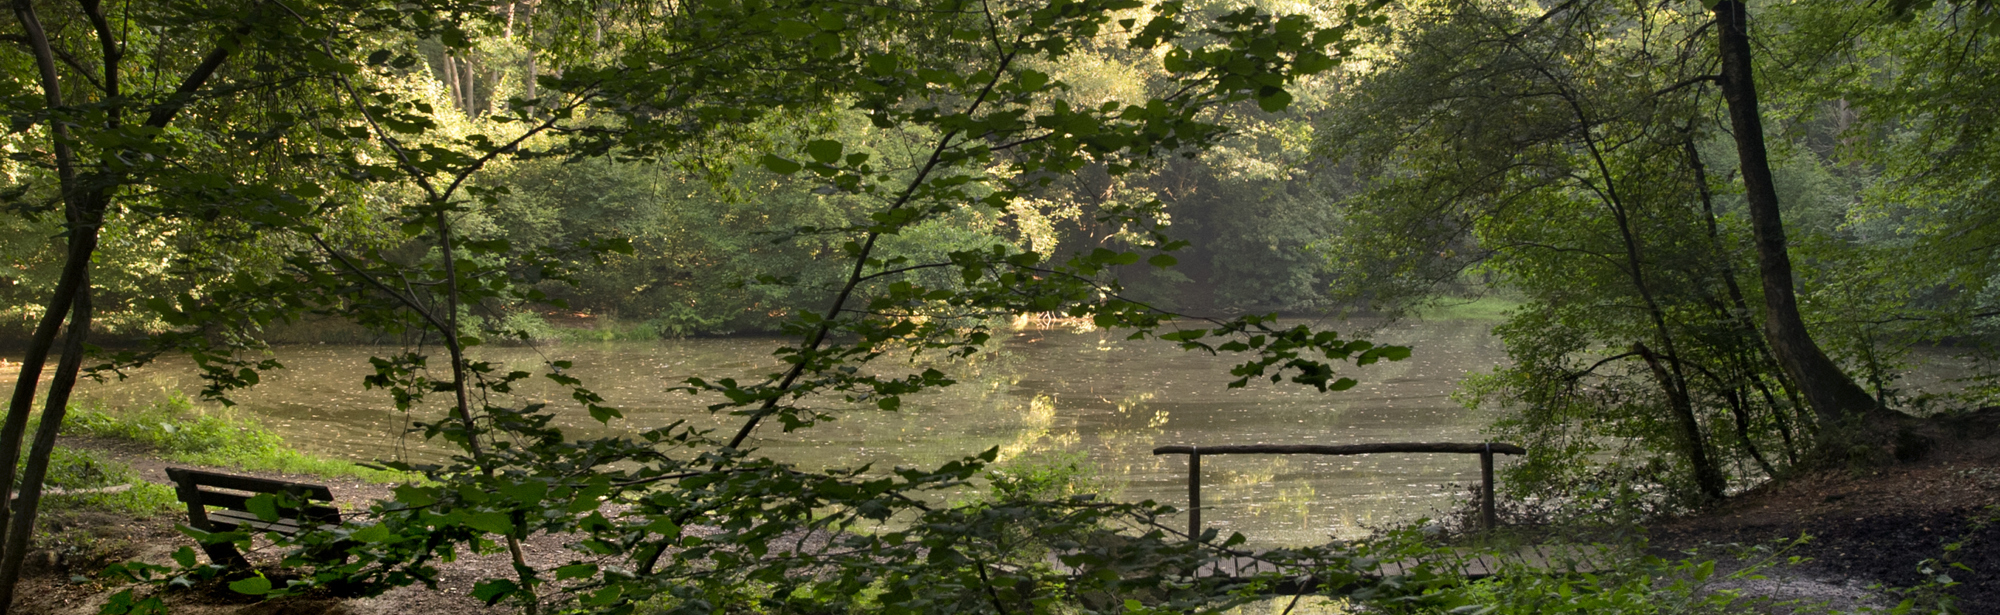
pixel 1055 389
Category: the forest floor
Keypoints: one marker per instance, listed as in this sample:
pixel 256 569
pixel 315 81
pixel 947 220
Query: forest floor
pixel 1871 532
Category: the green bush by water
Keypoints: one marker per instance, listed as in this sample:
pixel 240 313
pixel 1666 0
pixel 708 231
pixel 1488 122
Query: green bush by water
pixel 1045 475
pixel 1483 308
pixel 181 432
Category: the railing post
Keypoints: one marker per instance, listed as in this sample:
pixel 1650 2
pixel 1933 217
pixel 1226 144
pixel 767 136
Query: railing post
pixel 1194 494
pixel 1487 515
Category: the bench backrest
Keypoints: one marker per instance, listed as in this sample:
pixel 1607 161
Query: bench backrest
pixel 201 489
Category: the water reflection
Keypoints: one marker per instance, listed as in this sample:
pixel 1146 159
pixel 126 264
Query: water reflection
pixel 1053 389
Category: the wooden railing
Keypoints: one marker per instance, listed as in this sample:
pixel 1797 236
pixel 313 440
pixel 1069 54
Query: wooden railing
pixel 1485 450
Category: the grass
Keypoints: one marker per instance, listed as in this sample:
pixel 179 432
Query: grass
pixel 179 431
pixel 1484 308
pixel 74 469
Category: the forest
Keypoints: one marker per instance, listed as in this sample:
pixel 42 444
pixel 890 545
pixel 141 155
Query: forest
pixel 1725 232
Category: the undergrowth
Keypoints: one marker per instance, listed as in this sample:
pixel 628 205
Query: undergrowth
pixel 179 431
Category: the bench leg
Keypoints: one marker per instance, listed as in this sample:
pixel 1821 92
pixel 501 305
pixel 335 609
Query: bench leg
pixel 225 554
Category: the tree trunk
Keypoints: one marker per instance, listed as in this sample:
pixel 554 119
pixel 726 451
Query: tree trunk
pixel 1831 394
pixel 1706 477
pixel 21 525
pixel 468 86
pixel 532 77
pixel 451 81
pixel 86 199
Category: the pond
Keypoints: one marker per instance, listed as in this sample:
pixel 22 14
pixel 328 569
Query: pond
pixel 1084 392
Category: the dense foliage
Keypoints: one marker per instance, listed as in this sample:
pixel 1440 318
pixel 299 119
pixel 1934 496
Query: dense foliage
pixel 1580 158
pixel 890 178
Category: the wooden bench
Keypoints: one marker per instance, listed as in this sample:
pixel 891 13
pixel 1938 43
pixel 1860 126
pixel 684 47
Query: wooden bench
pixel 231 494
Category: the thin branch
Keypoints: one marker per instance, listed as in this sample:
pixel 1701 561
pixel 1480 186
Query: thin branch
pixel 1574 376
pixel 372 281
pixel 909 192
pixel 890 272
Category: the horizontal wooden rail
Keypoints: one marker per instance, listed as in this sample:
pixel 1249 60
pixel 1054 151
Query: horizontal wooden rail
pixel 1485 451
pixel 1472 448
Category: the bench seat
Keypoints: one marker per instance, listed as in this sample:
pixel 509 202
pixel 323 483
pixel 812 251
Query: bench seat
pixel 229 495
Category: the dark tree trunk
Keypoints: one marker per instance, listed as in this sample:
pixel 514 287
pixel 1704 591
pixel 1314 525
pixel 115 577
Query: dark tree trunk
pixel 86 198
pixel 1706 476
pixel 1833 396
pixel 21 525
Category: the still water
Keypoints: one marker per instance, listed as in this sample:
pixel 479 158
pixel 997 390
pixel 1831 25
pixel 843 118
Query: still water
pixel 1079 391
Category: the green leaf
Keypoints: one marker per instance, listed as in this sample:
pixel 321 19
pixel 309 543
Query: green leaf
pixel 665 527
pixel 264 505
pixel 604 414
pixel 780 165
pixel 1311 63
pixel 415 496
pixel 253 586
pixel 825 151
pixel 374 533
pixel 530 491
pixel 492 591
pixel 1162 261
pixel 604 596
pixel 491 522
pixel 1031 80
pixel 1274 102
pixel 795 29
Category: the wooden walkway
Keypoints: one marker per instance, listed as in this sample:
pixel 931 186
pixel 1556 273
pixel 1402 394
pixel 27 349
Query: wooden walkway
pixel 1485 451
pixel 1463 563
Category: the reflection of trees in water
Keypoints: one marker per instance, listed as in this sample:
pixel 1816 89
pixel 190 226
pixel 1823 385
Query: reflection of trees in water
pixel 1127 446
pixel 1265 488
pixel 1034 434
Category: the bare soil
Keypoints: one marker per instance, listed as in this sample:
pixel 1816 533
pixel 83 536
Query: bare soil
pixel 1878 526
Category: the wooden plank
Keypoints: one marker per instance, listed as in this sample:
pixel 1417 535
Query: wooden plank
pixel 234 501
pixel 1344 449
pixel 250 483
pixel 1471 564
pixel 230 519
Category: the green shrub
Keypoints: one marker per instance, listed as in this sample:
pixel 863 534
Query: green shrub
pixel 525 325
pixel 1572 578
pixel 1045 476
pixel 611 329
